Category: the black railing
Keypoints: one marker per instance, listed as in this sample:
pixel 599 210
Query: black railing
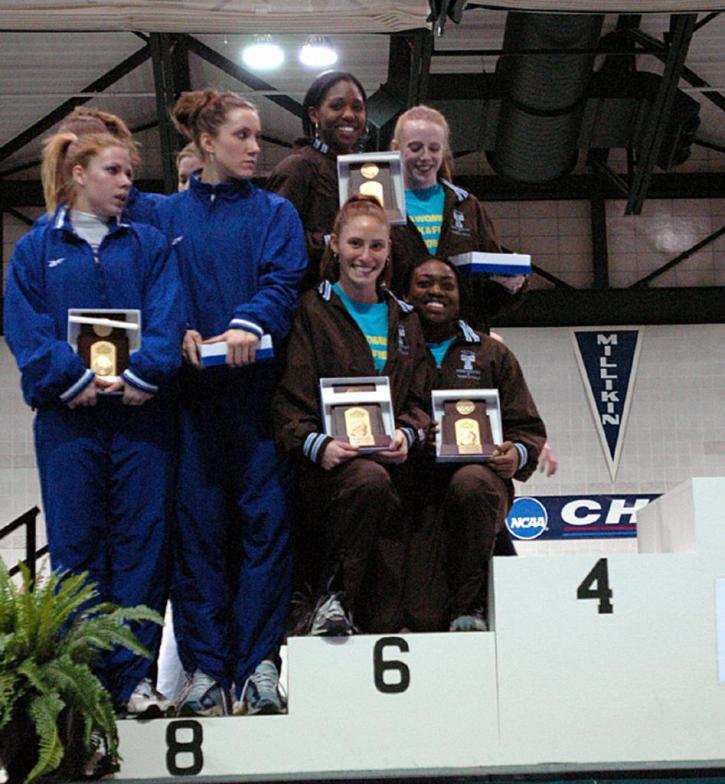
pixel 27 519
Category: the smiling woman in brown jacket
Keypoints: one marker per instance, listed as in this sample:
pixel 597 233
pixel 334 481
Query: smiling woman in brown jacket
pixel 334 119
pixel 354 504
pixel 462 506
pixel 444 219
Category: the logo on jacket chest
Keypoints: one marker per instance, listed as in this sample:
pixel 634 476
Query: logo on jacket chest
pixel 468 369
pixel 403 347
pixel 458 224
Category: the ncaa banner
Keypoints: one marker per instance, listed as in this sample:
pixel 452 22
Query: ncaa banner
pixel 575 516
pixel 607 362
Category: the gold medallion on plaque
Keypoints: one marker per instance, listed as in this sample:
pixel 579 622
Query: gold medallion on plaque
pixel 358 426
pixel 468 436
pixel 369 171
pixel 104 348
pixel 465 407
pixel 103 358
pixel 372 187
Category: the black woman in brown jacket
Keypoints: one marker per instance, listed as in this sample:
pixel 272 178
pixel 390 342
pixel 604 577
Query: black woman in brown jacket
pixel 334 120
pixel 462 507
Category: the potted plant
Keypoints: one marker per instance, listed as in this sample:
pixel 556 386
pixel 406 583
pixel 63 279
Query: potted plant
pixel 55 713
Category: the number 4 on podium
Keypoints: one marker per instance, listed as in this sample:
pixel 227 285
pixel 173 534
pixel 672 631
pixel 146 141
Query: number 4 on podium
pixel 596 586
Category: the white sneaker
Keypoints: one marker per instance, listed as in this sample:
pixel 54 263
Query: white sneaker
pixel 147 703
pixel 330 618
pixel 470 622
pixel 262 693
pixel 203 696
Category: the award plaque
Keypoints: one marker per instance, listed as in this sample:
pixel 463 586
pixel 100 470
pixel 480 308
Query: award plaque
pixel 374 174
pixel 104 339
pixel 470 424
pixel 358 411
pixel 466 429
pixel 359 425
pixel 104 349
pixel 369 179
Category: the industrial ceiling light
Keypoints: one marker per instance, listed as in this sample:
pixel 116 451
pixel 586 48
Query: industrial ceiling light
pixel 318 52
pixel 263 54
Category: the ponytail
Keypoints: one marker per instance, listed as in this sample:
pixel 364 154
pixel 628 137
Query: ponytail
pixel 56 187
pixel 205 111
pixel 83 120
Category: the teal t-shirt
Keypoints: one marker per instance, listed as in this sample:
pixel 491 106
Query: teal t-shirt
pixel 372 318
pixel 425 209
pixel 439 350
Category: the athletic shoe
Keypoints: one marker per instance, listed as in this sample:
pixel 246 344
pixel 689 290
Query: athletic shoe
pixel 203 696
pixel 329 618
pixel 301 607
pixel 146 703
pixel 262 693
pixel 470 622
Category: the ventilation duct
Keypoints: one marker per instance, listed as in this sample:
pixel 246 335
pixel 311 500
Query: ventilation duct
pixel 543 94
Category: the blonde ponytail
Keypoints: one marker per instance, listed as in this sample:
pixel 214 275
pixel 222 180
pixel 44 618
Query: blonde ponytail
pixel 56 187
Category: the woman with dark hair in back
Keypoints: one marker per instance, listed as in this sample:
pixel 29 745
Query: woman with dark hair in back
pixel 334 118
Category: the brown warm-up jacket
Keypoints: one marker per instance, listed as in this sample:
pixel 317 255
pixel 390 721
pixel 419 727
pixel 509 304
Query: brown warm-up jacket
pixel 325 342
pixel 466 227
pixel 308 178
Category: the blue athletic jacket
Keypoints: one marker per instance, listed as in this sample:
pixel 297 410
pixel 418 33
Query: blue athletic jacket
pixel 141 205
pixel 139 208
pixel 241 253
pixel 53 269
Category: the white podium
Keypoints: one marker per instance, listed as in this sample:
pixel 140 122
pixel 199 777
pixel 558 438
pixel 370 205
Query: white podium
pixel 592 664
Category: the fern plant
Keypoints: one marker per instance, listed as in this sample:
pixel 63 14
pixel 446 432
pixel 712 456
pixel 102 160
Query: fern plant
pixel 51 632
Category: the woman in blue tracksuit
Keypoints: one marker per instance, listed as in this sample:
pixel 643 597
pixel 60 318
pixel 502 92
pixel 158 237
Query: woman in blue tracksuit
pixel 241 256
pixel 106 461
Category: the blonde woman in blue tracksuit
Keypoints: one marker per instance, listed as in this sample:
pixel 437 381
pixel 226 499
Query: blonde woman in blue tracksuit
pixel 106 461
pixel 241 256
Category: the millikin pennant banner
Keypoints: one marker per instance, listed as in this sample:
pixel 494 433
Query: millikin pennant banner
pixel 607 361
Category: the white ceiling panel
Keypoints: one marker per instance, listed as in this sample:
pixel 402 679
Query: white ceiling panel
pixel 256 16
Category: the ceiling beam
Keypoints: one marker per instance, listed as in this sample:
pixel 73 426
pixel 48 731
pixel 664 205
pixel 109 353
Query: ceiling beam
pixel 686 185
pixel 422 49
pixel 589 307
pixel 600 253
pixel 24 219
pixel 689 185
pixel 170 139
pixel 706 20
pixel 31 164
pixel 682 27
pixel 687 74
pixel 180 62
pixel 647 279
pixel 99 85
